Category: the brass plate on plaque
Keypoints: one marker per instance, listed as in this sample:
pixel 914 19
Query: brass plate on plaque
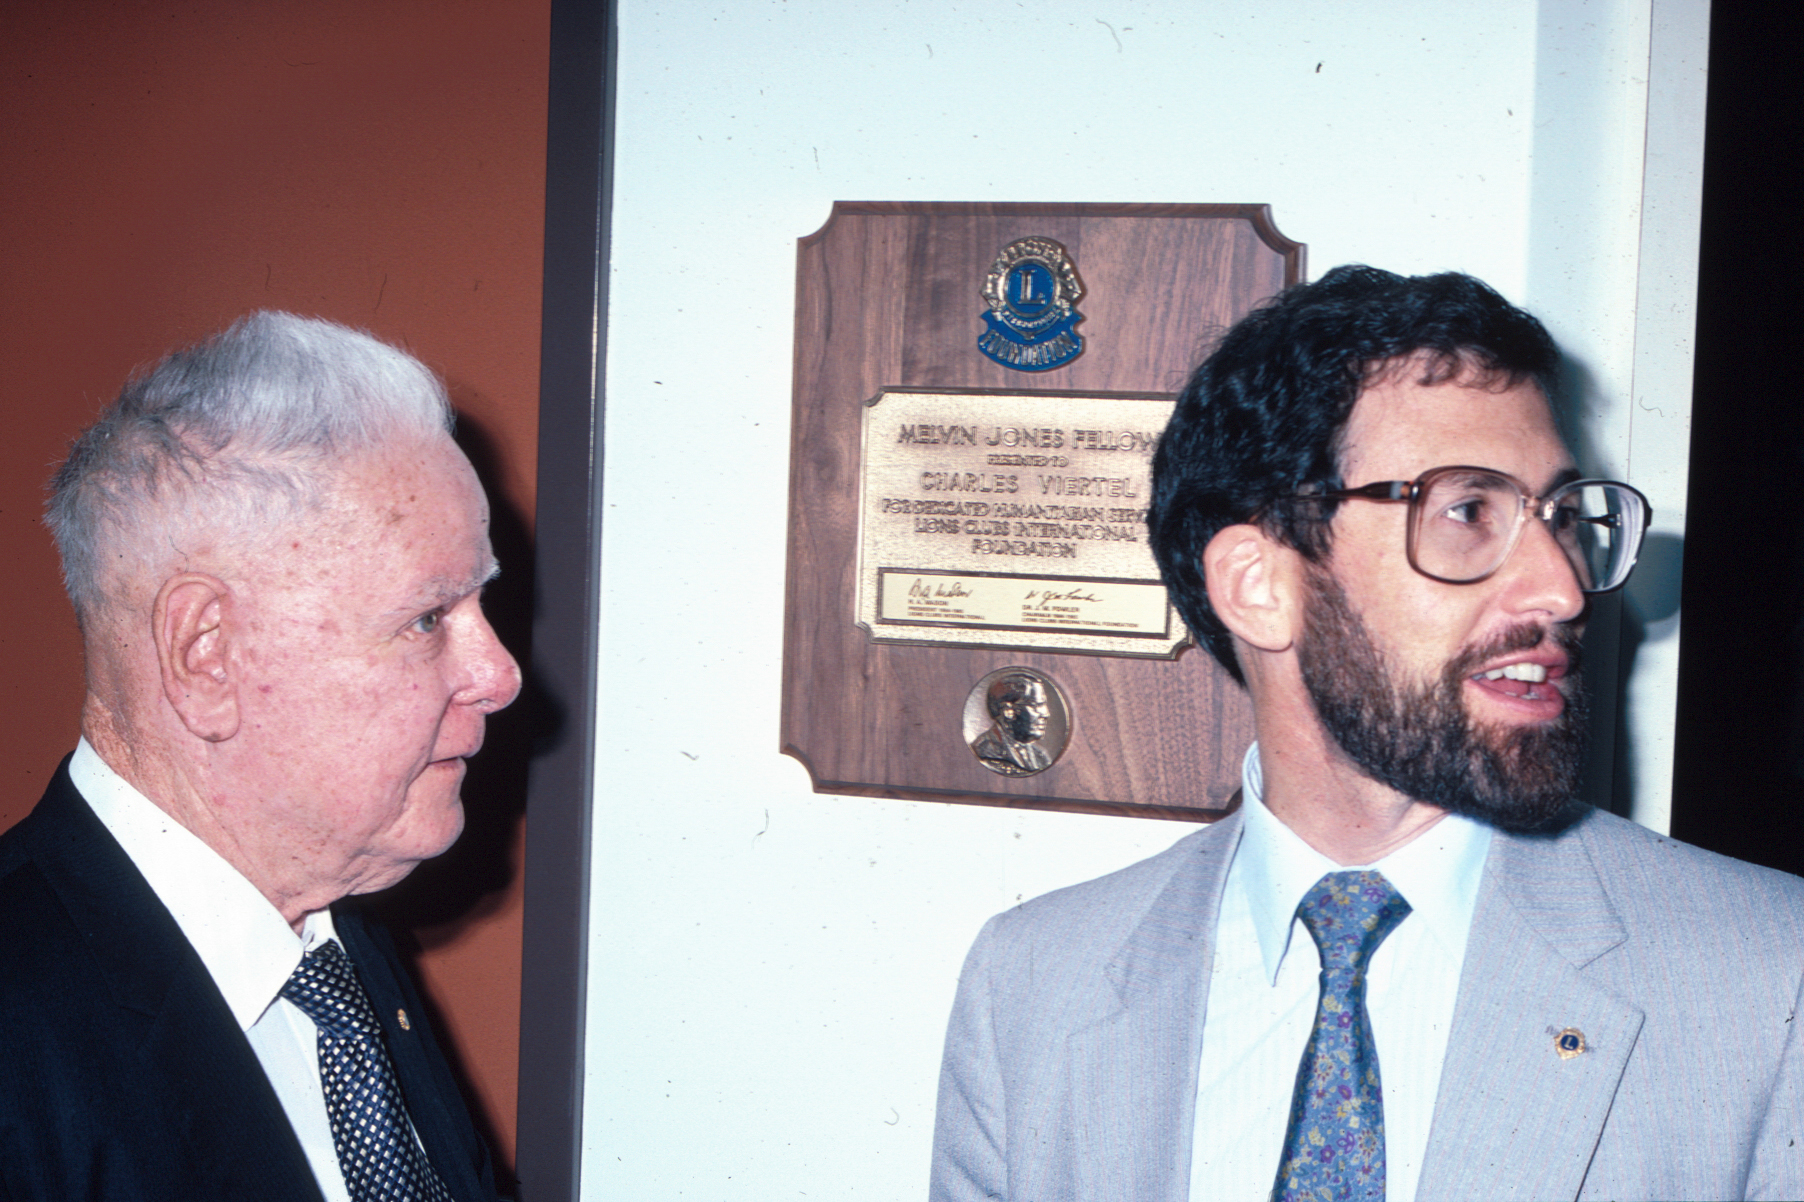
pixel 1012 520
pixel 954 520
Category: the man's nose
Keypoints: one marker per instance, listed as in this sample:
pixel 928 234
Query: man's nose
pixel 494 675
pixel 1543 576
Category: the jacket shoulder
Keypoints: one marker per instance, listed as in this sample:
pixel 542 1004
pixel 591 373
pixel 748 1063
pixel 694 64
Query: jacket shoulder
pixel 1104 911
pixel 16 841
pixel 1658 878
pixel 41 943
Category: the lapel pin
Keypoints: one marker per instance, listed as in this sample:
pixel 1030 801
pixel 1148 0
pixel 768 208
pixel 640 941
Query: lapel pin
pixel 1569 1043
pixel 401 1017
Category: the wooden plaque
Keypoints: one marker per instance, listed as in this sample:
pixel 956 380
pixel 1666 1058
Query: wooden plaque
pixel 890 308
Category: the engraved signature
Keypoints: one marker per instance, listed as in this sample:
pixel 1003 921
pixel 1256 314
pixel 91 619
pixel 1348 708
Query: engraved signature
pixel 920 588
pixel 1050 596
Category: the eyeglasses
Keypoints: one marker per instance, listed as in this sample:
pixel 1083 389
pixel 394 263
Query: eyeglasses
pixel 1465 521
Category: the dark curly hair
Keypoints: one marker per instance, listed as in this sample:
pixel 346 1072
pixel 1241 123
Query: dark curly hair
pixel 1263 417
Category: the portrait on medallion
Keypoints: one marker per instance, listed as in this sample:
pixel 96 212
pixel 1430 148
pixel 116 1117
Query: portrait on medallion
pixel 1029 723
pixel 276 555
pixel 1411 964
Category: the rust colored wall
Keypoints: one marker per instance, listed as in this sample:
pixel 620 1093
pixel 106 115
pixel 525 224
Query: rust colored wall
pixel 165 167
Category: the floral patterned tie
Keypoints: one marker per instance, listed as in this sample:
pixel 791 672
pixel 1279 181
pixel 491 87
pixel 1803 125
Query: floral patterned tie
pixel 1334 1145
pixel 382 1161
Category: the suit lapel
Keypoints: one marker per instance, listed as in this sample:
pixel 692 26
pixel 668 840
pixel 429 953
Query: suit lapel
pixel 173 1028
pixel 431 1096
pixel 222 1104
pixel 1515 1119
pixel 1133 1073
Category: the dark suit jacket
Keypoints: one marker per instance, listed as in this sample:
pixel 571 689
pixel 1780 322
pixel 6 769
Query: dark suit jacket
pixel 122 1073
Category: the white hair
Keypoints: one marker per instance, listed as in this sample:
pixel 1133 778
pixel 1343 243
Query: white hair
pixel 221 440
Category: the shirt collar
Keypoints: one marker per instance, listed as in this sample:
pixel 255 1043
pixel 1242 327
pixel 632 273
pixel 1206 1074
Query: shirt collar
pixel 248 948
pixel 1438 872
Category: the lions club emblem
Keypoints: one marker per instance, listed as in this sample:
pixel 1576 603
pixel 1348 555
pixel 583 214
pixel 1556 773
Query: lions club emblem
pixel 1032 291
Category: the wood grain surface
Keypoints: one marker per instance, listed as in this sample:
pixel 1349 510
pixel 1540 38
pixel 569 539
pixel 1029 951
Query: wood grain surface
pixel 887 295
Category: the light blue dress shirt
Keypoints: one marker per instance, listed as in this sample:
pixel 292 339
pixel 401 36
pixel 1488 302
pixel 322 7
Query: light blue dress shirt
pixel 1264 984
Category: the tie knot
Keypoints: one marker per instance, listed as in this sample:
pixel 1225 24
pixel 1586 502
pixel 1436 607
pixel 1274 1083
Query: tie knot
pixel 326 989
pixel 1349 914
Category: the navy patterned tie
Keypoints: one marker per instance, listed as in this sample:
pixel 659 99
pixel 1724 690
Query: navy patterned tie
pixel 1334 1145
pixel 381 1160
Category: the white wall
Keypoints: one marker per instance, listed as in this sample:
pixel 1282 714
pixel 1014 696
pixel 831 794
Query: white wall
pixel 1615 190
pixel 771 968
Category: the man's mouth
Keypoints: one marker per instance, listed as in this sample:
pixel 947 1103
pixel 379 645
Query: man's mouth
pixel 1518 680
pixel 1524 680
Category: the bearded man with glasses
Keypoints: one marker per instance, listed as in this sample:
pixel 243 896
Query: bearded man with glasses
pixel 1410 964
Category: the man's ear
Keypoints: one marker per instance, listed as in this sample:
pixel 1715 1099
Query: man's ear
pixel 1253 584
pixel 192 653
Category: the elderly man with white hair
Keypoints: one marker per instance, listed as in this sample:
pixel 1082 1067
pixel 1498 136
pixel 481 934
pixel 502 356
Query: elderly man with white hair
pixel 277 555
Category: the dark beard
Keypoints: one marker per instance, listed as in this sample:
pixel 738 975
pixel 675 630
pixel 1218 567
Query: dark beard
pixel 1422 742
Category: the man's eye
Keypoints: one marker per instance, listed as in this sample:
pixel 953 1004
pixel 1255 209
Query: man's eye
pixel 1468 511
pixel 427 623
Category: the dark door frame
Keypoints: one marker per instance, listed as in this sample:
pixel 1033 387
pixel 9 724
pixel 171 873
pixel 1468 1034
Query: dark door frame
pixel 567 587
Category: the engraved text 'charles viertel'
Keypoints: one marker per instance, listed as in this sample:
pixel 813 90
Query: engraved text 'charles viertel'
pixel 1014 520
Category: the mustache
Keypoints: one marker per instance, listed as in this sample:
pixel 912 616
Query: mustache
pixel 1525 637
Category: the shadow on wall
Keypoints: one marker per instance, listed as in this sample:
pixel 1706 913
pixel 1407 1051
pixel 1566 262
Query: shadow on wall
pixel 468 881
pixel 1618 625
pixel 1607 653
pixel 1650 609
pixel 472 881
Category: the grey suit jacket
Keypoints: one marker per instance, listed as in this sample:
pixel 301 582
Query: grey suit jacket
pixel 1071 1059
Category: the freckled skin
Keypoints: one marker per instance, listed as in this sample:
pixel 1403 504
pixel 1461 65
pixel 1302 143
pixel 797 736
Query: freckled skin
pixel 366 673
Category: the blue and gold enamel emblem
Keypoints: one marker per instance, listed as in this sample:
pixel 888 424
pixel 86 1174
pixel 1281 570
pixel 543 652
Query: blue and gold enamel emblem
pixel 1569 1043
pixel 1032 291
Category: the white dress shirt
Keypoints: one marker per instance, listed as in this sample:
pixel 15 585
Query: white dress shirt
pixel 247 946
pixel 1264 985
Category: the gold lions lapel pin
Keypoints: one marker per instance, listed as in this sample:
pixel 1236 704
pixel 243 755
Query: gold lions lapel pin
pixel 1569 1043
